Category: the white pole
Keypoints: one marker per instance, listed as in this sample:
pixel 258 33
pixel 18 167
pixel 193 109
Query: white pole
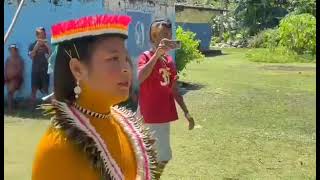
pixel 47 97
pixel 13 21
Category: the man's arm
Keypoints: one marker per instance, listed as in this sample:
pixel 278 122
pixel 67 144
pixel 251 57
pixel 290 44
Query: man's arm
pixel 6 63
pixel 179 98
pixel 21 65
pixel 48 48
pixel 146 69
pixel 180 101
pixel 33 50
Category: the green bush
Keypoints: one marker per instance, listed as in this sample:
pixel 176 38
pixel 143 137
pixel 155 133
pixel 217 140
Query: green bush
pixel 268 38
pixel 302 6
pixel 189 49
pixel 226 36
pixel 256 41
pixel 298 33
pixel 277 55
pixel 215 40
pixel 239 36
pixel 272 38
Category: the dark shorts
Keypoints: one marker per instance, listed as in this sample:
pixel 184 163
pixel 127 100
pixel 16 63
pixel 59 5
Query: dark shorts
pixel 40 80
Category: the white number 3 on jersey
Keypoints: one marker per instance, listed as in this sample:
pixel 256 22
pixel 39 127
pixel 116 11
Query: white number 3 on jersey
pixel 165 73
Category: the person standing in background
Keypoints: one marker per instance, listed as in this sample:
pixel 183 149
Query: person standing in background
pixel 39 51
pixel 13 74
pixel 159 90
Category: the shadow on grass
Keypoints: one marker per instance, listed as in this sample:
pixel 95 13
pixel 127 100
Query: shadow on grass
pixel 22 109
pixel 212 53
pixel 185 87
pixel 210 56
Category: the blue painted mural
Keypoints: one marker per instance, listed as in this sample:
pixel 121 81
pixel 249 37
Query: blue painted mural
pixel 203 33
pixel 38 14
pixel 138 39
pixel 138 31
pixel 45 14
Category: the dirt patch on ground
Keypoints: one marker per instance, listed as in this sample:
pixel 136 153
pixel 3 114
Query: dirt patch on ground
pixel 288 68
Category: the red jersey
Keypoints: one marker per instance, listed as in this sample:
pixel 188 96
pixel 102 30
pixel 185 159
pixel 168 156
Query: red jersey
pixel 156 99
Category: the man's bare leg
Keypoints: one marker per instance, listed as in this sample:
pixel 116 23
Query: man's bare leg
pixel 33 98
pixel 10 102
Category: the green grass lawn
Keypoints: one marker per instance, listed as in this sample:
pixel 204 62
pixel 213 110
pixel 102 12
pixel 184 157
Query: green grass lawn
pixel 254 121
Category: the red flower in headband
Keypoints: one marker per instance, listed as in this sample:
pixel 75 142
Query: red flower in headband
pixel 90 26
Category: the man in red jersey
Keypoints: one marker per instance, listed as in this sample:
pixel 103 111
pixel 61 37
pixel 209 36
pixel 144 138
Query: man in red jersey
pixel 158 89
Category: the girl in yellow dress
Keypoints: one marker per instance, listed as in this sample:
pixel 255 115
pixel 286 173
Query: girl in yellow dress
pixel 89 138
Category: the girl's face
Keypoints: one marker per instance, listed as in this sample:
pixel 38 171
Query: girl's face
pixel 108 72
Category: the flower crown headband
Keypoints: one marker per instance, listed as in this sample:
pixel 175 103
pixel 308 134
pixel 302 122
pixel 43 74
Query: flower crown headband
pixel 85 27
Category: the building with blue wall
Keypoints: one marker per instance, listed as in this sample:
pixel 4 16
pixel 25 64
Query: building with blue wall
pixel 203 32
pixel 197 19
pixel 45 13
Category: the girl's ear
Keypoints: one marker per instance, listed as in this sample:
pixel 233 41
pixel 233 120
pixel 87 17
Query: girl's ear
pixel 78 70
